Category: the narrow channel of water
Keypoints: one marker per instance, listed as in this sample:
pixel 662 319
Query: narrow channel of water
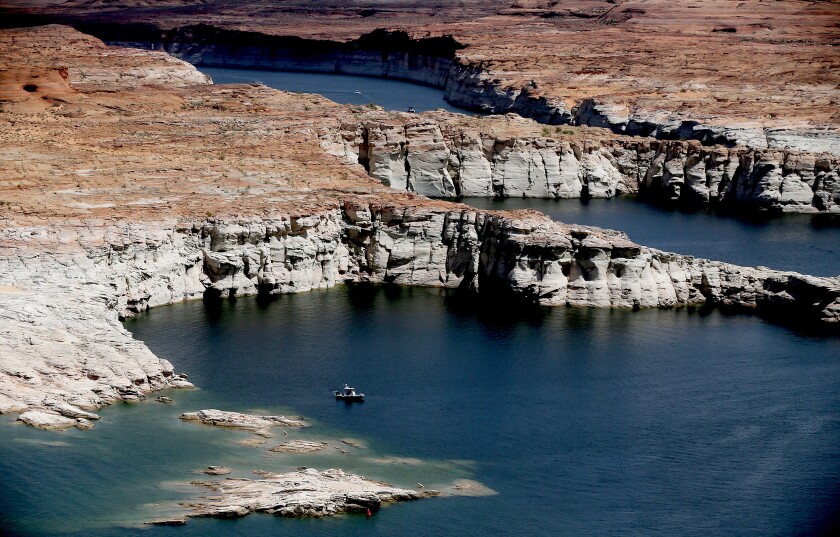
pixel 586 422
pixel 344 89
pixel 802 243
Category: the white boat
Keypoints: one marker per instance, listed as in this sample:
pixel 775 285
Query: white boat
pixel 357 92
pixel 349 394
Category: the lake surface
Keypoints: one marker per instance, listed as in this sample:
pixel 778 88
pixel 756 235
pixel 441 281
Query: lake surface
pixel 802 243
pixel 389 94
pixel 586 422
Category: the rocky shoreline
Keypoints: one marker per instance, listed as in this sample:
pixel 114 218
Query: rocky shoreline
pixel 447 157
pixel 526 256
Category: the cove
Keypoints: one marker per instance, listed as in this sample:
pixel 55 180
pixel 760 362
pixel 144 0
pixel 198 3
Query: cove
pixel 801 243
pixel 387 93
pixel 586 421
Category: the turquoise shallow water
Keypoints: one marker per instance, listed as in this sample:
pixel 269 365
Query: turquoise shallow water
pixel 587 422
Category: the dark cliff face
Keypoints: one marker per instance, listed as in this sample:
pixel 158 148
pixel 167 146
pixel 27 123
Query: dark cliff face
pixel 381 40
pixel 380 53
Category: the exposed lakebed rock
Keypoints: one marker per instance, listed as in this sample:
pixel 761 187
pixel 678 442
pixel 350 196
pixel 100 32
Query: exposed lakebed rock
pixel 299 446
pixel 235 420
pixel 216 470
pixel 304 493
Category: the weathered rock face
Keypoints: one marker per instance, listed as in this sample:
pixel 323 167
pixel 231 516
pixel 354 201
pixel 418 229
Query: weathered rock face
pixel 437 160
pixel 393 55
pixel 475 88
pixel 305 493
pixel 555 264
pixel 379 53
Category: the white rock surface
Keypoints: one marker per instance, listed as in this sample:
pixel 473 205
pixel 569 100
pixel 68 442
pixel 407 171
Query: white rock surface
pixel 299 446
pixel 421 156
pixel 237 420
pixel 53 421
pixel 305 493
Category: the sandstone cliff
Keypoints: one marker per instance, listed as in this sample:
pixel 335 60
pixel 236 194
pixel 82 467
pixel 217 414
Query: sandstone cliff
pixel 752 73
pixel 448 157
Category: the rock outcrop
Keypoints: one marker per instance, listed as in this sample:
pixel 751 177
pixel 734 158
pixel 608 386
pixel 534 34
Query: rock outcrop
pixel 304 493
pixel 216 470
pixel 299 446
pixel 237 420
pixel 52 421
pixel 443 157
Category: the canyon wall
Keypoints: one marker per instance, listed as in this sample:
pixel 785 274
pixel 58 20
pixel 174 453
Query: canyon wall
pixel 440 160
pixel 430 61
pixel 380 53
pixel 471 84
pixel 62 290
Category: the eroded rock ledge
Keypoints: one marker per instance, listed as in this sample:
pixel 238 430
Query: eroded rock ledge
pixel 449 157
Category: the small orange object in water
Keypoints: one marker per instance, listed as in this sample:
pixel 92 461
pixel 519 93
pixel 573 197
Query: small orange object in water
pixel 368 512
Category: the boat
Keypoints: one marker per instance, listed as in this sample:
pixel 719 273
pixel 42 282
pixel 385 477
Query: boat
pixel 349 394
pixel 357 92
pixel 411 110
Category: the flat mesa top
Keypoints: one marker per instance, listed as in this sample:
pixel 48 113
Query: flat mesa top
pixel 726 62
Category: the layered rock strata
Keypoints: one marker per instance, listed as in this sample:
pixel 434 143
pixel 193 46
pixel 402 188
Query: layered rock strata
pixel 446 158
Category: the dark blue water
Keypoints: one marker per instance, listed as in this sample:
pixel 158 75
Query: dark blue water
pixel 389 94
pixel 803 243
pixel 586 422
